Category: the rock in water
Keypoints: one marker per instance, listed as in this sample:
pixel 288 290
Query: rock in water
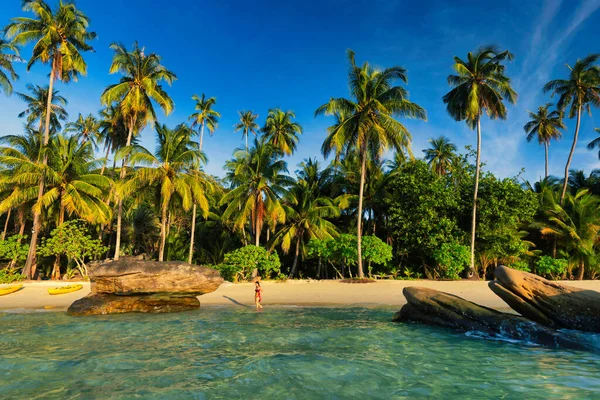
pixel 100 304
pixel 432 307
pixel 129 276
pixel 547 302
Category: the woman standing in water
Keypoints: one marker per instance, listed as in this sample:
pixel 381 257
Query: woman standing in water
pixel 258 295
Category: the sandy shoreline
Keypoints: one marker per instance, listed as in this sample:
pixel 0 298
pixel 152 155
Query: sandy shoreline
pixel 34 295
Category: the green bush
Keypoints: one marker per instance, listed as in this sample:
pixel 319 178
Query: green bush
pixel 451 259
pixel 552 267
pixel 10 275
pixel 14 248
pixel 239 264
pixel 520 266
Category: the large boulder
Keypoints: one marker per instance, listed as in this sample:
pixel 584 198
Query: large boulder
pixel 432 307
pixel 547 302
pixel 129 276
pixel 100 304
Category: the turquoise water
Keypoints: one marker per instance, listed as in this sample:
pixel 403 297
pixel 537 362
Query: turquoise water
pixel 281 353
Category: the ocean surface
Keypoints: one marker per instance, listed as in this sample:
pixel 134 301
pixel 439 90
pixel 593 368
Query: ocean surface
pixel 279 353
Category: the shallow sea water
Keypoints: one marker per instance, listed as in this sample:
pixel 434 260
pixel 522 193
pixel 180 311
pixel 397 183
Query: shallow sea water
pixel 280 353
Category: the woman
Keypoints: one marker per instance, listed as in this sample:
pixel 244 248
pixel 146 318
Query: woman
pixel 258 295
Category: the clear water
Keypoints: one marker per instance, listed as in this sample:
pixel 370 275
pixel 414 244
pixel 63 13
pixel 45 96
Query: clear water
pixel 281 353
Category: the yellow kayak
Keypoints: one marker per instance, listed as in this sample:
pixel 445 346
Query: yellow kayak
pixel 10 289
pixel 65 289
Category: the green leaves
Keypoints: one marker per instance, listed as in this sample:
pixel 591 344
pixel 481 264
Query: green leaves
pixel 239 264
pixel 451 259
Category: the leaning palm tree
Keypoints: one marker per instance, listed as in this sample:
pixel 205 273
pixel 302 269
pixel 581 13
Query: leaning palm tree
pixel 247 124
pixel 545 126
pixel 440 155
pixel 6 65
pixel 204 116
pixel 60 37
pixel 172 172
pixel 579 92
pixel 281 132
pixel 37 102
pixel 367 123
pixel 479 86
pixel 139 87
pixel 112 131
pixel 595 143
pixel 87 128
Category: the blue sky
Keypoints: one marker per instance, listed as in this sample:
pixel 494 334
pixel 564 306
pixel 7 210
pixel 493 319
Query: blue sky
pixel 291 54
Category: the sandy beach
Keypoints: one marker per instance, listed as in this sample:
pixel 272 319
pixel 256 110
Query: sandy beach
pixel 34 295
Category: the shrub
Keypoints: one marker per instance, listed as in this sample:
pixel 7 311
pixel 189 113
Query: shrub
pixel 10 275
pixel 14 249
pixel 520 265
pixel 552 267
pixel 451 259
pixel 239 264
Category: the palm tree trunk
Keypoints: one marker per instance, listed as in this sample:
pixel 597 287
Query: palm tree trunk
pixel 61 220
pixel 163 233
pixel 105 159
pixel 31 256
pixel 194 207
pixel 6 224
pixel 546 149
pixel 120 202
pixel 360 210
pixel 566 182
pixel 581 271
pixel 21 218
pixel 474 220
pixel 295 264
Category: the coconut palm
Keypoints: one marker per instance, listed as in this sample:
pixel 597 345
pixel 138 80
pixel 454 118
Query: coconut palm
pixel 440 155
pixel 87 128
pixel 6 65
pixel 247 124
pixel 306 219
pixel 172 171
pixel 59 39
pixel 204 116
pixel 281 132
pixel 367 122
pixel 135 94
pixel 479 86
pixel 577 93
pixel 37 102
pixel 595 143
pixel 112 131
pixel 545 126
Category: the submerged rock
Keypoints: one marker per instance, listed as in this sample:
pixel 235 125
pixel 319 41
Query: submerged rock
pixel 432 307
pixel 99 304
pixel 129 276
pixel 547 302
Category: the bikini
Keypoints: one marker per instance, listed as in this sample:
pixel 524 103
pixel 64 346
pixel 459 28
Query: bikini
pixel 257 291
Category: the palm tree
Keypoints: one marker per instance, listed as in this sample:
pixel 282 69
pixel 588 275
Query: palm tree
pixel 545 126
pixel 306 218
pixel 595 143
pixel 204 116
pixel 6 65
pixel 479 86
pixel 112 131
pixel 579 92
pixel 87 128
pixel 440 155
pixel 37 102
pixel 135 93
pixel 281 132
pixel 172 171
pixel 247 124
pixel 258 179
pixel 367 122
pixel 60 37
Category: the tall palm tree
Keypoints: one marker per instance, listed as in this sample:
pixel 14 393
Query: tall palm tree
pixel 479 86
pixel 87 128
pixel 172 172
pixel 367 122
pixel 545 126
pixel 37 102
pixel 247 124
pixel 6 65
pixel 440 155
pixel 579 92
pixel 281 132
pixel 204 116
pixel 595 143
pixel 258 179
pixel 112 131
pixel 306 218
pixel 60 37
pixel 135 93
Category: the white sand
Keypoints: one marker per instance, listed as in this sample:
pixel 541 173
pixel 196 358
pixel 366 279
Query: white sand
pixel 35 295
